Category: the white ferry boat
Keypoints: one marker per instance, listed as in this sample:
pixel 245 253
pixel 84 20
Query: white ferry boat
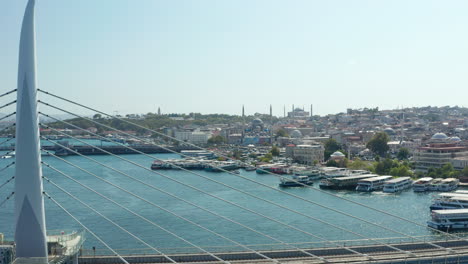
pixel 396 185
pixel 343 183
pixel 434 186
pixel 422 184
pixel 448 184
pixel 372 184
pixel 296 181
pixel 333 172
pixel 450 201
pixel 447 220
pixel 313 174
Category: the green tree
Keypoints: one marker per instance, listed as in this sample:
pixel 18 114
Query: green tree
pixel 403 154
pixel 464 172
pixel 281 133
pixel 216 140
pixel 378 143
pixel 267 157
pixel 275 151
pixel 331 145
pixel 357 164
pixel 332 163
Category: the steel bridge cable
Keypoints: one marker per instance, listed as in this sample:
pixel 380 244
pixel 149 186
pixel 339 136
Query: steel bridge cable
pixel 237 175
pixel 8 104
pixel 214 213
pixel 7 166
pixel 86 228
pixel 110 221
pixel 326 207
pixel 7 127
pixel 5 183
pixel 7 198
pixel 190 186
pixel 153 204
pixel 6 141
pixel 7 93
pixel 7 116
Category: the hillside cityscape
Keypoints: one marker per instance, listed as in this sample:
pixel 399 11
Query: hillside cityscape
pixel 400 142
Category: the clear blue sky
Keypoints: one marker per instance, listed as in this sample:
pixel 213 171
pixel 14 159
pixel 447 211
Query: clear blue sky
pixel 212 56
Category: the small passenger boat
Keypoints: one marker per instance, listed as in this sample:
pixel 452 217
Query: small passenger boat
pixel 396 185
pixel 447 220
pixel 296 181
pixel 422 184
pixel 372 184
pixel 448 184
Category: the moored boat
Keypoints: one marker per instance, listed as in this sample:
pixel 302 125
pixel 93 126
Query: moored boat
pixel 446 201
pixel 345 183
pixel 295 181
pixel 434 186
pixel 447 220
pixel 422 184
pixel 448 184
pixel 397 184
pixel 372 184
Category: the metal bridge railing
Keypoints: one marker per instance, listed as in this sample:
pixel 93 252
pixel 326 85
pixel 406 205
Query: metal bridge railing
pixel 268 247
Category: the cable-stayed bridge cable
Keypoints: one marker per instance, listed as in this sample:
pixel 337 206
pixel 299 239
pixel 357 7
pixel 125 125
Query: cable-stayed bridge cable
pixel 151 203
pixel 7 198
pixel 7 127
pixel 86 228
pixel 5 183
pixel 6 141
pixel 167 149
pixel 108 219
pixel 7 116
pixel 214 213
pixel 7 93
pixel 323 206
pixel 7 166
pixel 198 147
pixel 237 175
pixel 8 104
pixel 310 217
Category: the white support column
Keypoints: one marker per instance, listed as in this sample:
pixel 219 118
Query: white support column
pixel 30 233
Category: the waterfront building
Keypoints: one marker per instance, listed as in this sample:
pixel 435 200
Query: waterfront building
pixel 194 137
pixel 308 154
pixel 440 150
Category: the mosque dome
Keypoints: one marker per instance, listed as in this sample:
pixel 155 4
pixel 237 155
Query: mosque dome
pixel 455 139
pixel 296 134
pixel 337 154
pixel 389 131
pixel 439 136
pixel 257 121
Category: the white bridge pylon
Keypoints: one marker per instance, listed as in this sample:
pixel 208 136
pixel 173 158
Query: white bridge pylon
pixel 30 232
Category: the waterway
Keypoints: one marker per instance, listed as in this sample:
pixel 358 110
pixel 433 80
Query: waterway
pixel 407 204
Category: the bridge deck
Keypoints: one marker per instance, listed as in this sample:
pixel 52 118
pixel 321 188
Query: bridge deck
pixel 422 253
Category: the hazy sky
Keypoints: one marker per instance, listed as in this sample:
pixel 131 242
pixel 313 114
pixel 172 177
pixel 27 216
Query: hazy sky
pixel 212 56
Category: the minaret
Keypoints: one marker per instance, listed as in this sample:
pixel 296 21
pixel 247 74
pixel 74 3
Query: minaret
pixel 30 232
pixel 159 111
pixel 284 111
pixel 311 110
pixel 401 128
pixel 271 112
pixel 243 111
